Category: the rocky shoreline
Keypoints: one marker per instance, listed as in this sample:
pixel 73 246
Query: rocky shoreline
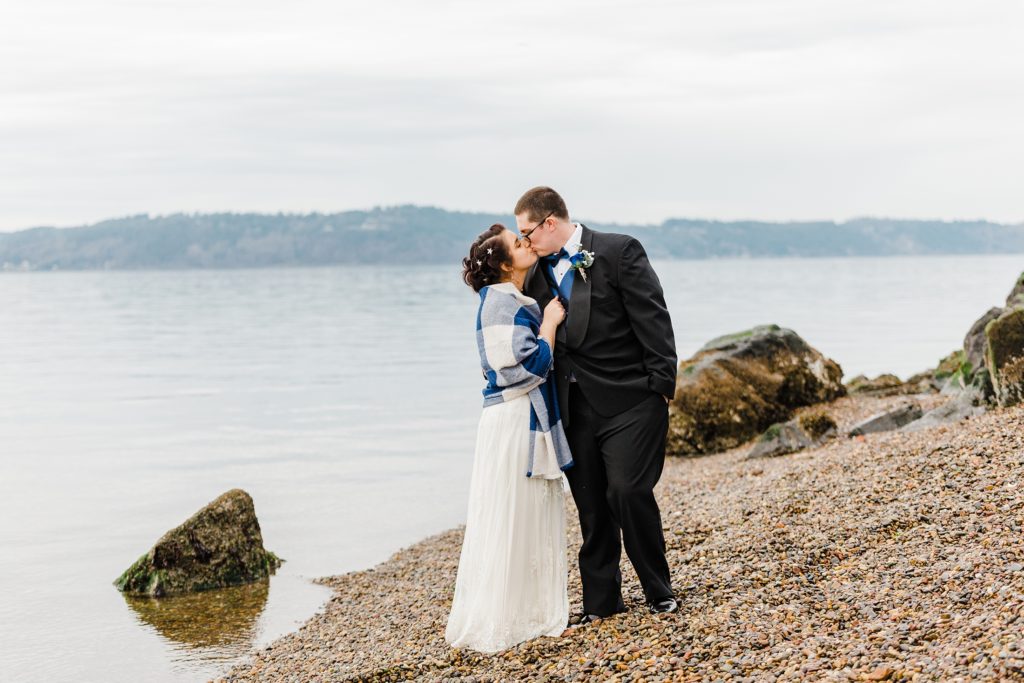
pixel 889 556
pixel 861 531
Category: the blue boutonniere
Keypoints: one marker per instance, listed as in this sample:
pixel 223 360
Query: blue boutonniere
pixel 580 261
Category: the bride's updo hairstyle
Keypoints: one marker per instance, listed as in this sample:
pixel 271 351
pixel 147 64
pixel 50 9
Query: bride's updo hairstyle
pixel 486 255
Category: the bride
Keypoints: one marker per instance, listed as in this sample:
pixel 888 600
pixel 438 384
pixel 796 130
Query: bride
pixel 511 583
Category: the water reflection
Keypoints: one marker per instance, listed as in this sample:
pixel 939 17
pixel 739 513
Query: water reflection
pixel 216 625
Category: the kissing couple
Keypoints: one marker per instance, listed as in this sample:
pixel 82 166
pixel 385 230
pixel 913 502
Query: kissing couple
pixel 580 390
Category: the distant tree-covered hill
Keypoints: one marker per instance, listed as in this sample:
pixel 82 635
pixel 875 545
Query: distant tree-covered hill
pixel 414 234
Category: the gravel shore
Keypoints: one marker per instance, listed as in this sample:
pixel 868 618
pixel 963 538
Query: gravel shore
pixel 887 557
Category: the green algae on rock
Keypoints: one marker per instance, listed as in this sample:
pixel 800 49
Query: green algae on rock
pixel 739 384
pixel 950 365
pixel 818 423
pixel 1015 299
pixel 889 384
pixel 219 546
pixel 1004 356
pixel 883 385
pixel 807 431
pixel 974 340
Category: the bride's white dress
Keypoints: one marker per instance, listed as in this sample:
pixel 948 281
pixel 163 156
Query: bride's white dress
pixel 511 584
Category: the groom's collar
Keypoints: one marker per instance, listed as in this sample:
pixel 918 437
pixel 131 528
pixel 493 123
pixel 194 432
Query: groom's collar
pixel 573 245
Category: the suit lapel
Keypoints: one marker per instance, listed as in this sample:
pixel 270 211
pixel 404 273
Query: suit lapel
pixel 579 303
pixel 537 284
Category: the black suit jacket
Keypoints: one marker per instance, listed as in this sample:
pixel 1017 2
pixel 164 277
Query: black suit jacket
pixel 617 338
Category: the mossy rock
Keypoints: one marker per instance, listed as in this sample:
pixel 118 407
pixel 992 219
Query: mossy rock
pixel 817 424
pixel 809 430
pixel 950 365
pixel 960 379
pixel 1016 296
pixel 739 384
pixel 921 383
pixel 1004 356
pixel 883 385
pixel 773 432
pixel 974 340
pixel 219 546
pixel 730 339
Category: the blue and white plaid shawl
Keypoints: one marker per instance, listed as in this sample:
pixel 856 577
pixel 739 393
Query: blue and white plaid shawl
pixel 517 362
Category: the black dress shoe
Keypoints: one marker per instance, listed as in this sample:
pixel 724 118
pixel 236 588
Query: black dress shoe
pixel 664 606
pixel 583 620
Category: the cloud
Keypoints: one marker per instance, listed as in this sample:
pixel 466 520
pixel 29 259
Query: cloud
pixel 635 111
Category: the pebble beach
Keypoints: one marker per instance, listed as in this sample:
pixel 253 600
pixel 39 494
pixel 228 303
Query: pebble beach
pixel 893 556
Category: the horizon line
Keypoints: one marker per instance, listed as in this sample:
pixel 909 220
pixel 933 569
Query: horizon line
pixel 391 207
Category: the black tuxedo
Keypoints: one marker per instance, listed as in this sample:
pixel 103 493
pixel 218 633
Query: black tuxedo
pixel 618 347
pixel 617 338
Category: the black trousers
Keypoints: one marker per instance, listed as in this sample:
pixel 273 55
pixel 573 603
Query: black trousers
pixel 618 460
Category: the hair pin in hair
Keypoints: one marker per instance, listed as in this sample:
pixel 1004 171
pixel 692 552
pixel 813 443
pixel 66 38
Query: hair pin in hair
pixel 490 250
pixel 479 262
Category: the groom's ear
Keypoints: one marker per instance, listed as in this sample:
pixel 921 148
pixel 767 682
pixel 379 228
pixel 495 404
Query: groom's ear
pixel 522 222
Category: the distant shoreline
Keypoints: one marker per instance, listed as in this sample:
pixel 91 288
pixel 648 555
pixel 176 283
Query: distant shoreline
pixel 414 234
pixel 6 269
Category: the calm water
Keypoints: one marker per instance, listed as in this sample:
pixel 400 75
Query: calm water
pixel 343 399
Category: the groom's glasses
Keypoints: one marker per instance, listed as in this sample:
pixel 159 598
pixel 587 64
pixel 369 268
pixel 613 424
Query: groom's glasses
pixel 526 235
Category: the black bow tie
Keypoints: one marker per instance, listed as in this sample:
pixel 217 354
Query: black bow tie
pixel 553 259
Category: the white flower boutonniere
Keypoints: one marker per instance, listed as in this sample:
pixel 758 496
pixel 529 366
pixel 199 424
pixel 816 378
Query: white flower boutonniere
pixel 580 261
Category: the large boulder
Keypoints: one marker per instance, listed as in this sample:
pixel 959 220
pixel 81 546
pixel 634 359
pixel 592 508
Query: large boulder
pixel 738 385
pixel 221 545
pixel 974 341
pixel 1004 356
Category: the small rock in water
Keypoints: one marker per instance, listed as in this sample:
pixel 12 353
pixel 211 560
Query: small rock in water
pixel 221 545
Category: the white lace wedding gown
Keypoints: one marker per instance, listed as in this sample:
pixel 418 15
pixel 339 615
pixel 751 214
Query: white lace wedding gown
pixel 511 584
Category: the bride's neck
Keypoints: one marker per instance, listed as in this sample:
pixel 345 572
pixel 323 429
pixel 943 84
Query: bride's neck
pixel 517 278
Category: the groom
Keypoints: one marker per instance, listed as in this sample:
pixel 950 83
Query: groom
pixel 615 363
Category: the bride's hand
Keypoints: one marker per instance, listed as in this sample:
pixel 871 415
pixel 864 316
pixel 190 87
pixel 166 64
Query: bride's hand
pixel 554 312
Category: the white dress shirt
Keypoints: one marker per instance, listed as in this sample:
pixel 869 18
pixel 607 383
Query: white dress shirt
pixel 572 247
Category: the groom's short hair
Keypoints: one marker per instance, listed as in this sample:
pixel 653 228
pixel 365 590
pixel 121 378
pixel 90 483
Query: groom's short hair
pixel 539 202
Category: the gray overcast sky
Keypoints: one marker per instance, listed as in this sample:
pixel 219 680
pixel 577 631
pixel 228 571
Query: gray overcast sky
pixel 635 111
